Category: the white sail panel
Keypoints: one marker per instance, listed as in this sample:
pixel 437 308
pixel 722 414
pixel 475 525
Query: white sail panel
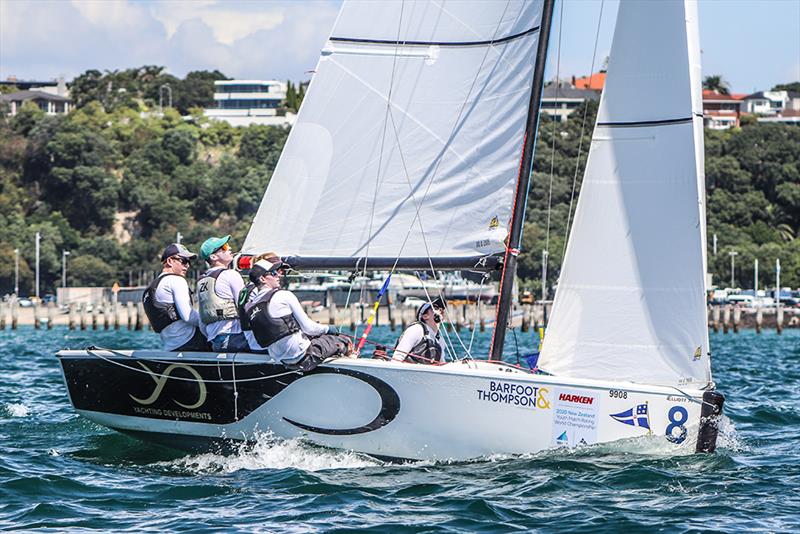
pixel 390 131
pixel 630 302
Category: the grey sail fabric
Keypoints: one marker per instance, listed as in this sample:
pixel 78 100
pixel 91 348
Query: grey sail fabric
pixel 630 302
pixel 409 140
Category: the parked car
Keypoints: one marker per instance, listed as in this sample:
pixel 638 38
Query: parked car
pixel 25 302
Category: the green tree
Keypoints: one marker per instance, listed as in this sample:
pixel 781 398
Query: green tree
pixel 717 84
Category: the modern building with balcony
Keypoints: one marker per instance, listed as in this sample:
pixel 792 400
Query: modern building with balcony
pixel 246 102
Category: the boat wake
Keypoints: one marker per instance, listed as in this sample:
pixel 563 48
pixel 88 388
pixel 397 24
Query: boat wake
pixel 270 452
pixel 16 410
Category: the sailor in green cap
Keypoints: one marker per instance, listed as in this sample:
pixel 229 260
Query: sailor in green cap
pixel 217 291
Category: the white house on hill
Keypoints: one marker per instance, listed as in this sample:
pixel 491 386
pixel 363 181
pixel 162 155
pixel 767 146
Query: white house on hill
pixel 246 102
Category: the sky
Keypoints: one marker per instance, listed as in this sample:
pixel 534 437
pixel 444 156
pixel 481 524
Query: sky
pixel 753 44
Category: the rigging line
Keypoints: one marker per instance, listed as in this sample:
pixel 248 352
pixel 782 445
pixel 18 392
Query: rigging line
pixel 447 341
pixel 580 142
pixel 417 216
pixel 555 128
pixel 235 391
pixel 380 154
pixel 438 163
pixel 475 321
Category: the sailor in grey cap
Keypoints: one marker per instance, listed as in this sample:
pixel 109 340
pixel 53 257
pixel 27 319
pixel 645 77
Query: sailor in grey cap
pixel 168 303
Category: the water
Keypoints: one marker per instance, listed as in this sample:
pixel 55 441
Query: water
pixel 59 471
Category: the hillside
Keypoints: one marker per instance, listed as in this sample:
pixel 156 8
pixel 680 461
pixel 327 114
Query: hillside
pixel 113 187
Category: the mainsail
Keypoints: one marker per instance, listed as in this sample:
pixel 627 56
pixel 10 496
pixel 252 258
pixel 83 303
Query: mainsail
pixel 630 302
pixel 409 140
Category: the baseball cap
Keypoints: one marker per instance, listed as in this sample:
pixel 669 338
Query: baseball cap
pixel 264 266
pixel 211 245
pixel 176 249
pixel 438 303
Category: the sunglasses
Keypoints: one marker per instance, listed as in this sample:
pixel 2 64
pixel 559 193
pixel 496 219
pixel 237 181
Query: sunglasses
pixel 183 261
pixel 226 247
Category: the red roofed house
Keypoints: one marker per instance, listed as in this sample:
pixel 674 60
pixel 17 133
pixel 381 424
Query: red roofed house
pixel 595 81
pixel 721 112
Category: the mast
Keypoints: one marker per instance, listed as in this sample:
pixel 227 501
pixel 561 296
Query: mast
pixel 521 196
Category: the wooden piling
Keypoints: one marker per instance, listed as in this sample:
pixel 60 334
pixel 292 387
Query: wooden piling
pixel 353 317
pixel 526 318
pixel 737 317
pixel 2 315
pixel 403 315
pixel 129 311
pixel 51 316
pixel 14 313
pixel 82 314
pixel 94 316
pixel 715 318
pixel 481 315
pixel 36 324
pixel 106 313
pixel 390 312
pixel 139 314
pixel 779 319
pixel 71 316
pixel 116 313
pixel 759 319
pixel 331 312
pixel 726 319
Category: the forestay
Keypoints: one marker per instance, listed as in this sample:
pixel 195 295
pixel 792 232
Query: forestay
pixel 413 122
pixel 630 302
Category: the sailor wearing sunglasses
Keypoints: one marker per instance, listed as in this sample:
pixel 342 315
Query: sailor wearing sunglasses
pixel 168 303
pixel 217 291
pixel 276 323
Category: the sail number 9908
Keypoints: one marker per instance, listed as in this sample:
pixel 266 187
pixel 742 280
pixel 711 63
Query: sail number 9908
pixel 617 394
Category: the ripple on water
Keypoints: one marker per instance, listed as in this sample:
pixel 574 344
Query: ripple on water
pixel 58 471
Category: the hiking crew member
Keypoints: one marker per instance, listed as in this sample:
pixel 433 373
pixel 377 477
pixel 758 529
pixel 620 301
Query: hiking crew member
pixel 280 325
pixel 217 291
pixel 421 342
pixel 168 304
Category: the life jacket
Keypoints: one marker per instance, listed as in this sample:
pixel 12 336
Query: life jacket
pixel 160 314
pixel 212 307
pixel 266 328
pixel 428 350
pixel 241 303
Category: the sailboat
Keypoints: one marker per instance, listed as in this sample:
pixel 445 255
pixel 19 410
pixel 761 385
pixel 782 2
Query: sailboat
pixel 413 151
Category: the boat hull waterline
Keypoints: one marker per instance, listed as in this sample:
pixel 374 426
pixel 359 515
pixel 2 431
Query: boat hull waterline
pixel 457 411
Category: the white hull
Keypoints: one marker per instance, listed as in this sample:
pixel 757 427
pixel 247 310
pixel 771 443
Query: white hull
pixel 387 409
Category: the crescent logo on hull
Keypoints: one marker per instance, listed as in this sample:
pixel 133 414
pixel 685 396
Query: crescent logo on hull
pixel 390 405
pixel 161 381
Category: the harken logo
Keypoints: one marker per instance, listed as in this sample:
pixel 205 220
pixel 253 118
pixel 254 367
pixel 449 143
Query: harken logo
pixel 578 399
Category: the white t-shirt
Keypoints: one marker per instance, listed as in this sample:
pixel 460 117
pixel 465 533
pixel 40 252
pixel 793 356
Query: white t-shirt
pixel 175 290
pixel 291 348
pixel 409 339
pixel 228 285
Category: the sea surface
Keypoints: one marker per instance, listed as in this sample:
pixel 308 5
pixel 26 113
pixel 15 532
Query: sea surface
pixel 60 472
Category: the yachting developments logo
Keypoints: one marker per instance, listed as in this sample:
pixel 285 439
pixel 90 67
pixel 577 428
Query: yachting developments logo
pixel 637 416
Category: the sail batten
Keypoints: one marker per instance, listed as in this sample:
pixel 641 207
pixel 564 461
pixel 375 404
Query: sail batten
pixel 631 301
pixel 406 147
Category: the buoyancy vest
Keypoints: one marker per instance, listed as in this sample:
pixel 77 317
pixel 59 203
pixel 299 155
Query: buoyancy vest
pixel 428 350
pixel 212 307
pixel 160 314
pixel 241 303
pixel 266 328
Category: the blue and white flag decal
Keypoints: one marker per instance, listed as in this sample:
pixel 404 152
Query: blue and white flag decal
pixel 640 418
